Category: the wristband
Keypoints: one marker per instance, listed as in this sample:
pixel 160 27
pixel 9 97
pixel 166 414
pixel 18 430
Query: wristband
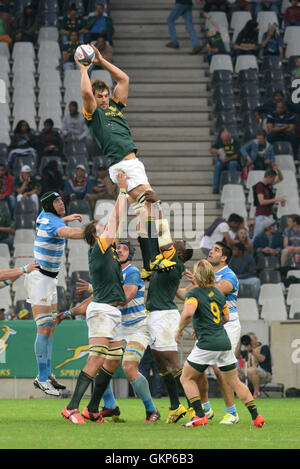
pixel 68 314
pixel 157 204
pixel 90 289
pixel 123 192
pixel 24 269
pixel 179 330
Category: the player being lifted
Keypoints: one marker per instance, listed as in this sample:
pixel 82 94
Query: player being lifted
pixel 108 126
pixel 206 306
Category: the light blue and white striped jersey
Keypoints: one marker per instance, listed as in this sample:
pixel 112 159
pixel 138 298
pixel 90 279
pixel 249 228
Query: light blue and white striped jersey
pixel 48 247
pixel 231 299
pixel 134 311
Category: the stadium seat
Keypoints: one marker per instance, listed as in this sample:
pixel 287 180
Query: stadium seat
pixel 23 250
pixel 24 221
pixel 4 251
pixel 26 206
pixel 78 263
pixel 230 177
pixel 247 308
pixel 267 263
pixel 239 19
pixel 23 49
pixel 219 76
pixel 103 75
pixel 220 62
pixel 80 206
pixel 219 17
pixel 292 49
pixel 249 88
pixel 5 299
pixel 232 192
pixel 75 148
pixel 226 119
pixel 246 291
pixel 244 62
pixel 224 103
pixel 291 206
pixel 293 273
pixel 48 33
pixel 4 50
pixel 223 89
pixel 247 104
pixel 264 19
pixel 234 206
pixel 293 293
pixel 253 177
pixel 286 162
pixel 269 276
pixel 274 310
pixel 46 159
pixel 270 291
pixel 24 236
pixel 62 302
pixel 4 262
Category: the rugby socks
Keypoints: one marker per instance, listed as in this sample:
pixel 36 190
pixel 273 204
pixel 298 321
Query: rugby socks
pixel 40 349
pixel 197 406
pixel 141 388
pixel 179 385
pixel 252 409
pixel 231 410
pixel 171 387
pixel 49 355
pixel 206 406
pixel 83 382
pixel 100 384
pixel 109 398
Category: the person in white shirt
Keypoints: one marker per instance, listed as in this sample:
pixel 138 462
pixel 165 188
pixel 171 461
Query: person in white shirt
pixel 221 229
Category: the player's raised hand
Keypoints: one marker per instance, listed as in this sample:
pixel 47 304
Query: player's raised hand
pixel 82 286
pixel 151 196
pixel 80 65
pixel 190 276
pixel 73 217
pixel 98 57
pixel 32 266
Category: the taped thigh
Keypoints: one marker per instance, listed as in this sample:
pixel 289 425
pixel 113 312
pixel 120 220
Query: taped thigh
pixel 98 350
pixel 114 353
pixel 133 353
pixel 44 319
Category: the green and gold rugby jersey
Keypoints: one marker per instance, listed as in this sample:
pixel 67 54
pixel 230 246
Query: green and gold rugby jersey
pixel 164 285
pixel 105 273
pixel 207 320
pixel 111 131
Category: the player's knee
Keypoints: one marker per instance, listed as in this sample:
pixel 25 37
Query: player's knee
pixel 129 368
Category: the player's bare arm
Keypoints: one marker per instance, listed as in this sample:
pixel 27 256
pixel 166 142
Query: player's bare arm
pixel 224 286
pixel 88 98
pixel 70 232
pixel 116 215
pixel 121 78
pixel 13 274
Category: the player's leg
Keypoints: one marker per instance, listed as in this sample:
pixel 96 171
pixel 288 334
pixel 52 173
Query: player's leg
pixel 231 415
pixel 188 380
pixel 132 356
pixel 51 376
pixel 203 386
pixel 231 377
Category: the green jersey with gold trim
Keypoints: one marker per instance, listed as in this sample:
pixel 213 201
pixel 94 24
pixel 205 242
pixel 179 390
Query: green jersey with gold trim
pixel 105 273
pixel 111 131
pixel 208 318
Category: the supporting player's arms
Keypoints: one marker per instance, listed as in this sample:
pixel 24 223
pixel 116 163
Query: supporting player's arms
pixel 118 211
pixel 121 78
pixel 70 232
pixel 76 311
pixel 224 286
pixel 130 292
pixel 14 274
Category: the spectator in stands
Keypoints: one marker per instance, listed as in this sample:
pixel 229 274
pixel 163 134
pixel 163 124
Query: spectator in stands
pixel 213 43
pixel 291 241
pixel 221 230
pixel 6 188
pixel 23 142
pixel 247 39
pixel 27 24
pixel 183 8
pixel 259 367
pixel 52 179
pixel 243 265
pixel 269 242
pixel 26 186
pixel 264 198
pixel 6 27
pixel 72 22
pixel 105 49
pixel 258 154
pixel 227 149
pixel 73 127
pixel 49 141
pixel 242 237
pixel 268 107
pixel 242 5
pixel 272 42
pixel 99 24
pixel 68 51
pixel 266 6
pixel 102 188
pixel 80 185
pixel 6 230
pixel 281 126
pixel 215 5
pixel 291 15
pixel 295 72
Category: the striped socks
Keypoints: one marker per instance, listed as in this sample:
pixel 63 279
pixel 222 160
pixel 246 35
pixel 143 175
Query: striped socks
pixel 197 406
pixel 251 406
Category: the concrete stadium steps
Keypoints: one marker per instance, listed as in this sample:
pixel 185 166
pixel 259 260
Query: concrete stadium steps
pixel 167 119
pixel 174 90
pixel 116 5
pixel 180 105
pixel 157 61
pixel 164 75
pixel 175 163
pixel 150 46
pixel 175 134
pixel 175 148
pixel 150 15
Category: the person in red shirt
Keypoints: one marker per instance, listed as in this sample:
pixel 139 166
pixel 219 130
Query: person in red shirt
pixel 292 14
pixel 6 188
pixel 264 197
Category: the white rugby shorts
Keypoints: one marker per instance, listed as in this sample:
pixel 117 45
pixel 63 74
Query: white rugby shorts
pixel 162 327
pixel 103 320
pixel 40 289
pixel 134 169
pixel 137 332
pixel 233 330
pixel 210 357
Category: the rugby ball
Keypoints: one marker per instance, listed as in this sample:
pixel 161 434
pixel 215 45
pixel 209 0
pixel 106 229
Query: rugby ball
pixel 85 54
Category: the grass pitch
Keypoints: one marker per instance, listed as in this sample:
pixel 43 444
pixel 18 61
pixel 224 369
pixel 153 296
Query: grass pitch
pixel 37 424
